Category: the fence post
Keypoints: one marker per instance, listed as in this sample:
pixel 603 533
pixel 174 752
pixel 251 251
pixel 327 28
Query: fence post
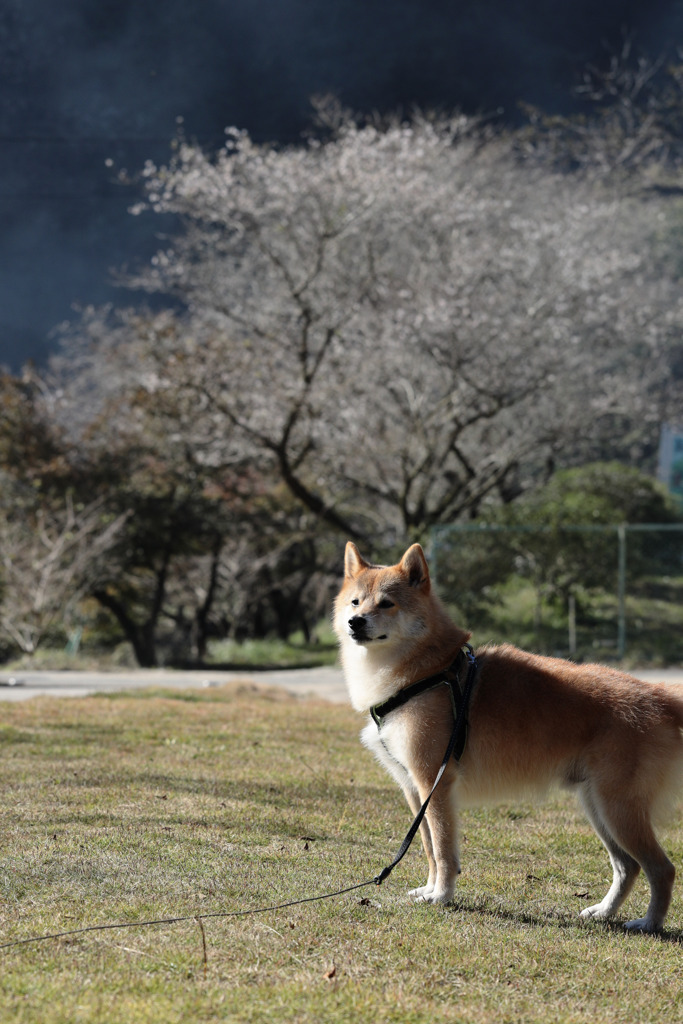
pixel 432 554
pixel 572 626
pixel 621 592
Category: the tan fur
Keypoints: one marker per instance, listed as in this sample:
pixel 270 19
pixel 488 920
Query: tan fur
pixel 534 722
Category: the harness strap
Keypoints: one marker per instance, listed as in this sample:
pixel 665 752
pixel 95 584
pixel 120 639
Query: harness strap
pixel 447 677
pixel 455 743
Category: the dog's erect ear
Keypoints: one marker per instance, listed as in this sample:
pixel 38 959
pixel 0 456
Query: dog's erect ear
pixel 414 565
pixel 353 561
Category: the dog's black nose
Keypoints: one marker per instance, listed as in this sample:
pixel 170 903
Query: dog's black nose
pixel 357 624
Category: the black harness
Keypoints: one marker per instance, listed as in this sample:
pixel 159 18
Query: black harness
pixel 461 701
pixel 459 692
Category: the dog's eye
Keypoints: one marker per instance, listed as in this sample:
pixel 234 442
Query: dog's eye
pixel 355 602
pixel 385 603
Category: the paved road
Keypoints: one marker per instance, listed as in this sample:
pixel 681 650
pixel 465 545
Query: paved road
pixel 320 682
pixel 324 682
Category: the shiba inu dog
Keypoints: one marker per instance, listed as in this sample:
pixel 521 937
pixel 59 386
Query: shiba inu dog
pixel 533 722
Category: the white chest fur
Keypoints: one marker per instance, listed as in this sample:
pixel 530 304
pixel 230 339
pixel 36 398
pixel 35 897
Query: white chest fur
pixel 390 748
pixel 369 679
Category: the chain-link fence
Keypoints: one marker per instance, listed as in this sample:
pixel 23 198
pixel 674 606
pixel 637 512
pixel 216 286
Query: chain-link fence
pixel 587 592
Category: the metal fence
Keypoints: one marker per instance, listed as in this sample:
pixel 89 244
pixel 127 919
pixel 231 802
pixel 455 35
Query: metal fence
pixel 588 591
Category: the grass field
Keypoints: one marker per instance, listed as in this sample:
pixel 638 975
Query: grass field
pixel 152 805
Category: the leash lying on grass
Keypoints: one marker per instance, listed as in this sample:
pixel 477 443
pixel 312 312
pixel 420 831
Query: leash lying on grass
pixel 454 744
pixel 179 920
pixel 240 913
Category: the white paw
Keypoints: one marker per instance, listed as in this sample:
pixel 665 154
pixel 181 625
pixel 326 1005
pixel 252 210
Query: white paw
pixel 436 896
pixel 596 913
pixel 422 892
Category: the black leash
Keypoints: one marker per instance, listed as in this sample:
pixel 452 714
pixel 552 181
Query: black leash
pixel 456 735
pixel 179 920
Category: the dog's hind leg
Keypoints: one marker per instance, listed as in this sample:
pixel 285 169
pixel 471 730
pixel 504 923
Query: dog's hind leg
pixel 634 830
pixel 629 825
pixel 625 868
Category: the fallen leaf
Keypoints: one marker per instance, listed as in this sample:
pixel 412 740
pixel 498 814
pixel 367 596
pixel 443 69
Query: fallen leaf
pixel 332 973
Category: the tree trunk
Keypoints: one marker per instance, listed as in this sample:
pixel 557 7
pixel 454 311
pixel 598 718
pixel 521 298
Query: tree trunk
pixel 203 612
pixel 141 637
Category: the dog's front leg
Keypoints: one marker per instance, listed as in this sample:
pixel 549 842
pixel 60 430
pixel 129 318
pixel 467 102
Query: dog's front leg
pixel 414 802
pixel 443 826
pixel 439 832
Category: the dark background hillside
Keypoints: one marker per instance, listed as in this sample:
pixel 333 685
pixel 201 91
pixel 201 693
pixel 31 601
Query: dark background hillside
pixel 92 86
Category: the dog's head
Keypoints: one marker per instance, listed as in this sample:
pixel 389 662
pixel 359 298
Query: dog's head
pixel 382 605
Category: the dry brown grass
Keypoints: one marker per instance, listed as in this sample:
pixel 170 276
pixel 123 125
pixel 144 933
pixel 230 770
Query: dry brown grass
pixel 156 805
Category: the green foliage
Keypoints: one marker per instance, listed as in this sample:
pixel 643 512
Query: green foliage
pixel 511 612
pixel 556 541
pixel 602 493
pixel 559 559
pixel 274 652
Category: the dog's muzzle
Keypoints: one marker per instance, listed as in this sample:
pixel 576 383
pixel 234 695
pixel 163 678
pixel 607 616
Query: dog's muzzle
pixel 358 627
pixel 358 630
